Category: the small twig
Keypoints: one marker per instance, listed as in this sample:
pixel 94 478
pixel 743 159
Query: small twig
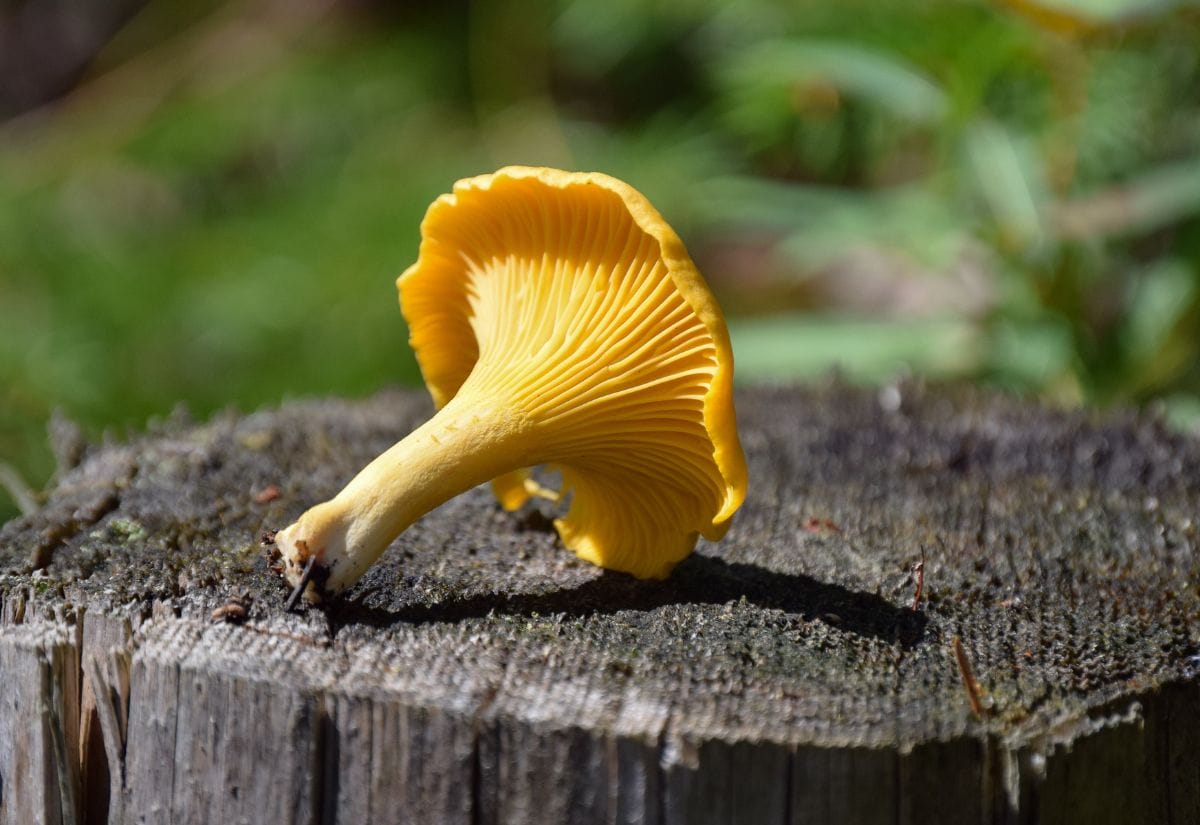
pixel 968 678
pixel 305 578
pixel 267 494
pixel 815 524
pixel 235 610
pixel 17 489
pixel 919 574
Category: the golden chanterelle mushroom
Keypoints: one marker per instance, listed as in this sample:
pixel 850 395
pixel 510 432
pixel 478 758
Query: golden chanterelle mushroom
pixel 558 321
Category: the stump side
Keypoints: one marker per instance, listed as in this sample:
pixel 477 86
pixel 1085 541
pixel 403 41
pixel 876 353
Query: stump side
pixel 480 673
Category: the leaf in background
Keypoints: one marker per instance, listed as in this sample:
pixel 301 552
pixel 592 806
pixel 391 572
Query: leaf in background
pixel 1110 138
pixel 1007 177
pixel 781 67
pixel 1027 353
pixel 807 346
pixel 1072 16
pixel 1159 337
pixel 1150 201
pixel 767 204
pixel 1183 412
pixel 823 224
pixel 910 219
pixel 828 110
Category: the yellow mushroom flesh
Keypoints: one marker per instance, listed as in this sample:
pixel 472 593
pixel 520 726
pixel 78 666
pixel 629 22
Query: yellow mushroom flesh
pixel 558 321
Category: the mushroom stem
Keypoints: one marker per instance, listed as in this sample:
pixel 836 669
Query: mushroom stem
pixel 468 442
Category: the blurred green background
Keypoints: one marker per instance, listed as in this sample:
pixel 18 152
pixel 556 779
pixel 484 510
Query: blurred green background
pixel 208 202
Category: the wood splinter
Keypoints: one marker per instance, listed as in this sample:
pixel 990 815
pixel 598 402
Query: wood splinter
pixel 919 575
pixel 301 583
pixel 968 678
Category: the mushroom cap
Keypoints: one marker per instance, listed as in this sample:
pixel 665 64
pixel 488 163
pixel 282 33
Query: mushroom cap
pixel 566 299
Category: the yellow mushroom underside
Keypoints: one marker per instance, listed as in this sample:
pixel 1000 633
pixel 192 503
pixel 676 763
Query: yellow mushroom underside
pixel 567 301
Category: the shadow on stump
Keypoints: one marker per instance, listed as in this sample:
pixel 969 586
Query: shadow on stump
pixel 698 579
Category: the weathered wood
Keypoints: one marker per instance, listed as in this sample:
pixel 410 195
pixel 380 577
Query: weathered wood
pixel 482 674
pixel 39 713
pixel 222 728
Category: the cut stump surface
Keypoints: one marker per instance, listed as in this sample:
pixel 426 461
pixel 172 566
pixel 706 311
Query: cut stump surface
pixel 482 674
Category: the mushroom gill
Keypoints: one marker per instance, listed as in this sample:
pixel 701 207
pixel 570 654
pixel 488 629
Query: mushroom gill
pixel 558 321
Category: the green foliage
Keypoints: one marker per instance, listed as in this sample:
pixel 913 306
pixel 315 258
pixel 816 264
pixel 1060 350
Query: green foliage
pixel 1008 193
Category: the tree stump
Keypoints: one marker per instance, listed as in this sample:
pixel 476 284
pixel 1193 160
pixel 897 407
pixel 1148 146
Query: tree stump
pixel 1042 665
